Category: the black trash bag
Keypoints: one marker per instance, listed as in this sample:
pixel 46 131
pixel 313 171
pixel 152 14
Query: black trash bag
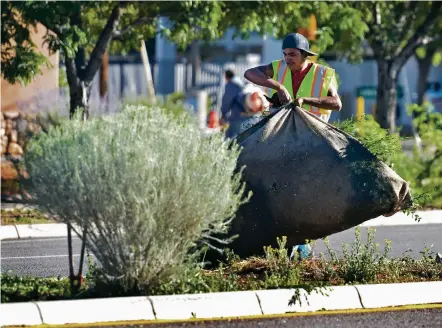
pixel 309 180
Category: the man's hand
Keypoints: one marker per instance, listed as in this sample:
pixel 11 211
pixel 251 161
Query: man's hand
pixel 299 102
pixel 283 95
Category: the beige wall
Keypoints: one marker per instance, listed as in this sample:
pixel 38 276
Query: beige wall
pixel 11 94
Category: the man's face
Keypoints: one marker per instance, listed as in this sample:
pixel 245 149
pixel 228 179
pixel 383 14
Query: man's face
pixel 293 57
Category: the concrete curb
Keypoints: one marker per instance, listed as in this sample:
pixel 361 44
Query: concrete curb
pixel 29 231
pixel 210 305
pixel 96 310
pixel 219 305
pixel 379 295
pixel 428 217
pixel 51 230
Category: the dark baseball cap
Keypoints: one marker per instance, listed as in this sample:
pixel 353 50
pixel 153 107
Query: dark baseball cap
pixel 297 41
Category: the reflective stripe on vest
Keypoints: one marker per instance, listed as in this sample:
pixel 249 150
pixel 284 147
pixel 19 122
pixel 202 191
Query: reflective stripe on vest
pixel 317 85
pixel 282 71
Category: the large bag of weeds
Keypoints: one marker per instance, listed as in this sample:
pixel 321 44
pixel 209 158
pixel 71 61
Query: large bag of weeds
pixel 309 180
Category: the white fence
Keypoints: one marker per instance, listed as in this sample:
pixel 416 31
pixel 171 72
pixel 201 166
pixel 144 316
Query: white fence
pixel 128 81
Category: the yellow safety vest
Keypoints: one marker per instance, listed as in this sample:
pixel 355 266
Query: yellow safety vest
pixel 314 85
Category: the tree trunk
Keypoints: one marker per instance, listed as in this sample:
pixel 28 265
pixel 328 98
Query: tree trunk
pixel 424 69
pixel 104 75
pixel 78 90
pixel 386 99
pixel 79 99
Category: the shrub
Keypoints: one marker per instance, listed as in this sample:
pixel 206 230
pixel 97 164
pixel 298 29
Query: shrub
pixel 148 189
pixel 171 104
pixel 385 146
pixel 362 261
pixel 26 289
pixel 422 170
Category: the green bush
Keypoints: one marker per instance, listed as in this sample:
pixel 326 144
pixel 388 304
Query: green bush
pixel 26 289
pixel 149 189
pixel 172 104
pixel 381 143
pixel 362 261
pixel 422 170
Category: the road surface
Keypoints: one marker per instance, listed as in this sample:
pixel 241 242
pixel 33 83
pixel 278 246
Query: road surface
pixel 385 319
pixel 48 256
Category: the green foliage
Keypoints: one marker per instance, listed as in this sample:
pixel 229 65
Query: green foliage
pixel 62 78
pixel 147 187
pixel 78 25
pixel 340 27
pixel 282 273
pixel 75 27
pixel 422 171
pixel 24 216
pixel 360 263
pixel 363 263
pixel 172 104
pixel 390 25
pixel 25 289
pixel 379 141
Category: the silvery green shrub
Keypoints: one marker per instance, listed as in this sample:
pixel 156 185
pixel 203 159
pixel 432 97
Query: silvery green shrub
pixel 147 187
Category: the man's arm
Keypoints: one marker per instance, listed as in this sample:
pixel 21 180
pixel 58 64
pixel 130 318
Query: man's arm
pixel 332 101
pixel 263 76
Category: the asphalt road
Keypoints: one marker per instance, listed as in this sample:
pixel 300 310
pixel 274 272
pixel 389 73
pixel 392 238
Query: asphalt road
pixel 48 256
pixel 388 319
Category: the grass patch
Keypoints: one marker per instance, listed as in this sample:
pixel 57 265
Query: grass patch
pixel 25 216
pixel 361 263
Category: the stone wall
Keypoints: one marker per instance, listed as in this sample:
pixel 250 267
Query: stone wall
pixel 16 131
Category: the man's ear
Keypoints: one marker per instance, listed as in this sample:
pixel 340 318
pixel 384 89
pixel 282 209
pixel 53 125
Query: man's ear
pixel 304 54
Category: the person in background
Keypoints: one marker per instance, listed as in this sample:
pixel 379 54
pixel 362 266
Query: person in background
pixel 231 107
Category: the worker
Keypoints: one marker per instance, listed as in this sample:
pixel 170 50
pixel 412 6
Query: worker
pixel 296 79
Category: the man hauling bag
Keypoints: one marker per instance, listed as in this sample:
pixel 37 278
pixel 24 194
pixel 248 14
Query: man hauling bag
pixel 308 178
pixel 312 86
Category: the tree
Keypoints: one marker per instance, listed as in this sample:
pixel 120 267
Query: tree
pixel 83 31
pixel 427 56
pixel 393 31
pixel 396 30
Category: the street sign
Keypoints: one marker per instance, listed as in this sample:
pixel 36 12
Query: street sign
pixel 370 92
